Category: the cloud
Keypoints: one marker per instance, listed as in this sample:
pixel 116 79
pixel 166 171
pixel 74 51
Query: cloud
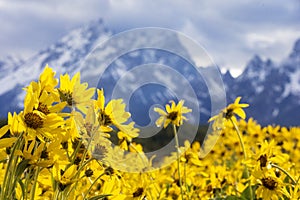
pixel 232 31
pixel 28 26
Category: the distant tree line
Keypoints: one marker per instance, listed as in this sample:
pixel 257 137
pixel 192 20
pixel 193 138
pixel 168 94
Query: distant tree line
pixel 162 138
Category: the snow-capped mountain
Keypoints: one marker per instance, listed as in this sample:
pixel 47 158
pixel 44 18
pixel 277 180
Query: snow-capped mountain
pixel 101 68
pixel 271 89
pixel 61 56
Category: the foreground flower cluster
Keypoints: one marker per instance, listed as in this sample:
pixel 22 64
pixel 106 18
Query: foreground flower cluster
pixel 60 147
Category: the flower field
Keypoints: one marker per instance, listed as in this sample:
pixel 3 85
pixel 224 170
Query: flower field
pixel 59 147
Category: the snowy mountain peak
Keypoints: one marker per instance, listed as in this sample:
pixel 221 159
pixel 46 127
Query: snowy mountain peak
pixel 75 45
pixel 227 77
pixel 255 63
pixel 256 69
pixel 280 83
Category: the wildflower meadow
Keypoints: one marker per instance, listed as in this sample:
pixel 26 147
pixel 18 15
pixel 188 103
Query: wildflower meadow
pixel 59 147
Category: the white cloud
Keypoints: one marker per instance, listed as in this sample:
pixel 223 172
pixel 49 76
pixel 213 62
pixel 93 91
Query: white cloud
pixel 231 31
pixel 272 43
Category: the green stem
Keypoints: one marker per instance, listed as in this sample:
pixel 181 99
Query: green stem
pixel 185 182
pixel 91 186
pixel 55 196
pixel 76 176
pixel 244 152
pixel 285 172
pixel 10 168
pixel 73 156
pixel 32 191
pixel 240 138
pixel 178 159
pixel 82 163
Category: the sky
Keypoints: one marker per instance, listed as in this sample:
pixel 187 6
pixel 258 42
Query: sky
pixel 231 31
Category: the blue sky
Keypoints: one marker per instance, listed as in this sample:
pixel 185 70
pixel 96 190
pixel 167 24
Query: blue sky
pixel 232 31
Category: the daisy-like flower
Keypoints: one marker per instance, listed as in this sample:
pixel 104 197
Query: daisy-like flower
pixel 173 114
pixel 270 187
pixel 36 121
pixel 64 177
pixel 228 113
pixel 114 114
pixel 268 154
pixel 75 93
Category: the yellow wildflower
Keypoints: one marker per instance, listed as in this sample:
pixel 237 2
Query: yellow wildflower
pixel 173 114
pixel 75 93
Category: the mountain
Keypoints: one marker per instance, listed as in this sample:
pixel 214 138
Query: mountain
pixel 101 68
pixel 271 89
pixel 62 56
pixel 8 64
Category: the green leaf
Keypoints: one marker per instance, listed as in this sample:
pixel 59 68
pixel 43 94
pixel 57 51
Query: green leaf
pixel 99 196
pixel 22 187
pixel 21 167
pixel 234 198
pixel 246 192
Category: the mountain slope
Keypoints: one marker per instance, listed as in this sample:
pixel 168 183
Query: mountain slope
pixel 62 56
pixel 272 90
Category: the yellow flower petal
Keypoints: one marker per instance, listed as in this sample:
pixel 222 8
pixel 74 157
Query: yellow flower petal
pixel 159 121
pixel 160 111
pixel 7 142
pixel 4 130
pixel 240 112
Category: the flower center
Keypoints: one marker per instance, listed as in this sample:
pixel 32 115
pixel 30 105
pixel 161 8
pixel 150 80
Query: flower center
pixel 138 192
pixel 66 96
pixel 89 173
pixel 109 171
pixel 104 119
pixel 33 120
pixel 228 113
pixel 263 160
pixel 44 154
pixel 269 183
pixel 172 115
pixel 43 108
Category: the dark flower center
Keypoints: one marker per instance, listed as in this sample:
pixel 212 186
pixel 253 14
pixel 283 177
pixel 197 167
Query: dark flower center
pixel 89 173
pixel 66 96
pixel 109 171
pixel 263 160
pixel 172 115
pixel 269 183
pixel 209 188
pixel 104 119
pixel 138 192
pixel 228 113
pixel 43 108
pixel 33 120
pixel 44 154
